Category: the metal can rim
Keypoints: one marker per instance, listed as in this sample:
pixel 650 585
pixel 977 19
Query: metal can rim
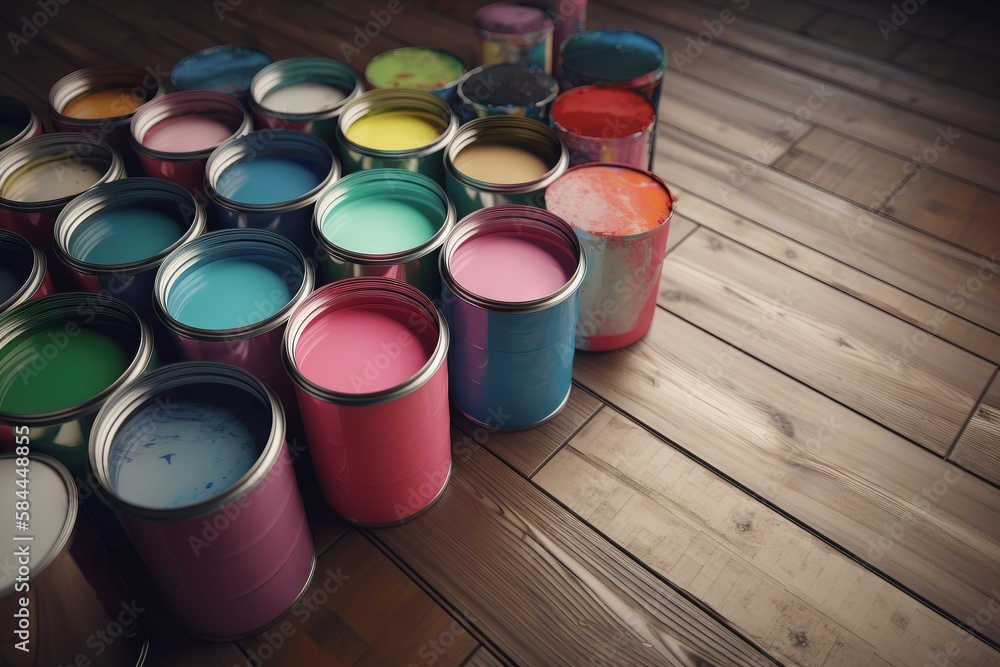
pixel 192 102
pixel 35 278
pixel 29 130
pixel 77 82
pixel 397 99
pixel 264 82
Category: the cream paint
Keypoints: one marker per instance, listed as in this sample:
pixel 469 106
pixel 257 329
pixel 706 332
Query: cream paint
pixel 500 163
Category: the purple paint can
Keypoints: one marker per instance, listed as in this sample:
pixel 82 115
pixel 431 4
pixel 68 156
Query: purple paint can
pixel 569 17
pixel 514 34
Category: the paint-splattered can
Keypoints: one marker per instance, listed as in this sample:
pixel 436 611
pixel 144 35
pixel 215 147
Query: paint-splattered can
pixel 61 356
pixel 516 34
pixel 622 216
pixel 62 601
pixel 568 18
pixel 24 272
pixel 502 160
pixel 510 277
pixel 17 122
pixel 369 360
pixel 400 129
pixel 600 124
pixel 227 68
pixel 193 459
pixel 304 94
pixel 416 68
pixel 270 179
pixel 511 90
pixel 384 222
pixel 174 135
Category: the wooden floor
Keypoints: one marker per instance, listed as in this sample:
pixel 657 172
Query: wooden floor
pixel 799 464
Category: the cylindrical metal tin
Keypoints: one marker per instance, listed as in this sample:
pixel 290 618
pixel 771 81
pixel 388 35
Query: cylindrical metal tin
pixel 417 68
pixel 39 176
pixel 568 18
pixel 184 166
pixel 23 271
pixel 510 133
pixel 425 159
pixel 406 217
pixel 89 224
pixel 229 563
pixel 60 594
pixel 250 335
pixel 120 92
pixel 17 122
pixel 290 216
pixel 226 68
pixel 512 358
pixel 599 124
pixel 380 438
pixel 510 90
pixel 61 356
pixel 321 120
pixel 514 34
pixel 624 250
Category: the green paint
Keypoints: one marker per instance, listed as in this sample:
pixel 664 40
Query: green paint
pixel 414 67
pixel 382 225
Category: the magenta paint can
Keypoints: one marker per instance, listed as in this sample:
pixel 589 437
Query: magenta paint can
pixel 24 271
pixel 569 17
pixel 192 458
pixel 599 124
pixel 174 135
pixel 621 215
pixel 514 34
pixel 369 361
pixel 17 122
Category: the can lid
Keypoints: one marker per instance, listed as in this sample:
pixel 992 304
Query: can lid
pixel 46 489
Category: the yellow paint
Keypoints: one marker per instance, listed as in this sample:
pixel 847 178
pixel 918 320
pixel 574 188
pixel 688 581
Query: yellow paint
pixel 106 103
pixel 395 130
pixel 500 163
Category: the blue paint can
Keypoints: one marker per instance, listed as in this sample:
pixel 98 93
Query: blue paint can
pixel 227 68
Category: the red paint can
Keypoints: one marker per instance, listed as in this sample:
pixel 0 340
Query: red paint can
pixel 599 124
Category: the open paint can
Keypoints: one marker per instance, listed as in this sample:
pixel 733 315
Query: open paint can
pixel 61 598
pixel 270 180
pixel 227 68
pixel 174 135
pixel 305 94
pixel 508 90
pixel 502 160
pixel 516 34
pixel 61 356
pixel 622 216
pixel 101 100
pixel 384 222
pixel 510 277
pixel 17 122
pixel 416 68
pixel 23 271
pixel 369 360
pixel 599 124
pixel 193 459
pixel 112 238
pixel 400 129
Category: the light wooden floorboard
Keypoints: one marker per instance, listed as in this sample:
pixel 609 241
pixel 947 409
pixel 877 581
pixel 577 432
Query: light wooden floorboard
pixel 979 447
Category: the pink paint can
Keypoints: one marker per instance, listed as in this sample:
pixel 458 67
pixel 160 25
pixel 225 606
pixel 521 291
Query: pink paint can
pixel 192 458
pixel 369 360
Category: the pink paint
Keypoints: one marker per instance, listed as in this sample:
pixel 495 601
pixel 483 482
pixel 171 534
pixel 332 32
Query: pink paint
pixel 509 267
pixel 186 134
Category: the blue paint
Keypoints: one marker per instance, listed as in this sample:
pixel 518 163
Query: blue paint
pixel 269 179
pixel 226 69
pixel 125 234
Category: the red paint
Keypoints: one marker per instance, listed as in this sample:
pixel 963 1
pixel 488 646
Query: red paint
pixel 607 113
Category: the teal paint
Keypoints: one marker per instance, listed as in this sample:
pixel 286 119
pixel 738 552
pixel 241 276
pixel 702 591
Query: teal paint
pixel 228 293
pixel 383 225
pixel 269 179
pixel 123 235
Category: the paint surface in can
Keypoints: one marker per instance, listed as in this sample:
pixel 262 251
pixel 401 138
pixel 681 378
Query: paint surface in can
pixel 186 133
pixel 511 267
pixel 269 179
pixel 395 130
pixel 9 130
pixel 50 510
pixel 605 113
pixel 52 178
pixel 389 223
pixel 414 67
pixel 10 283
pixel 303 97
pixel 57 368
pixel 190 444
pixel 123 235
pixel 620 60
pixel 225 69
pixel 107 103
pixel 500 163
pixel 609 200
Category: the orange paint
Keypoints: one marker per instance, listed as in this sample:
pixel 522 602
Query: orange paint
pixel 609 200
pixel 106 103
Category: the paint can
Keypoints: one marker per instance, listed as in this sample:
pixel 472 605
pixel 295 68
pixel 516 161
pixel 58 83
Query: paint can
pixel 39 176
pixel 305 94
pixel 615 57
pixel 24 272
pixel 416 68
pixel 502 160
pixel 112 238
pixel 174 135
pixel 515 34
pixel 101 100
pixel 227 68
pixel 510 277
pixel 270 179
pixel 17 122
pixel 384 222
pixel 60 594
pixel 568 18
pixel 192 458
pixel 600 124
pixel 226 297
pixel 61 356
pixel 369 360
pixel 511 90
pixel 622 217
pixel 400 129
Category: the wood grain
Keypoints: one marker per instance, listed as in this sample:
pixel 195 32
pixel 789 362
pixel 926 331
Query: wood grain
pixel 785 13
pixel 860 34
pixel 937 20
pixel 483 658
pixel 830 468
pixel 953 63
pixel 979 447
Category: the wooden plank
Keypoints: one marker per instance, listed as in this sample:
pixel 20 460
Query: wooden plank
pixel 544 587
pixel 852 481
pixel 979 447
pixel 859 34
pixel 932 19
pixel 716 541
pixel 325 524
pixel 919 264
pixel 849 280
pixel 953 63
pixel 362 610
pixel 785 13
pixel 979 34
pixel 681 227
pixel 483 658
pixel 838 345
